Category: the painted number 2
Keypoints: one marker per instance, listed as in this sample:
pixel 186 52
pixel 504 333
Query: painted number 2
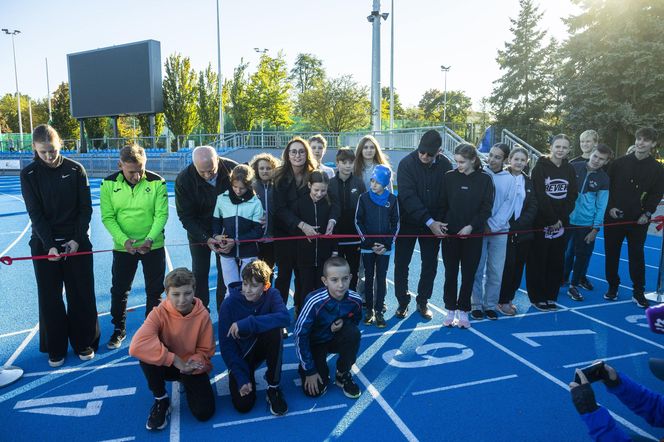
pixel 394 357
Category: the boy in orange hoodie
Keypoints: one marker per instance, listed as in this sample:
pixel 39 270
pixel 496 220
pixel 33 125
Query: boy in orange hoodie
pixel 175 343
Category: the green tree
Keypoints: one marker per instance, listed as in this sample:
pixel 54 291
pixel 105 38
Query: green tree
pixel 9 109
pixel 144 123
pixel 208 100
pixel 269 91
pixel 432 104
pixel 613 77
pixel 63 122
pixel 180 95
pixel 519 97
pixel 241 108
pixel 336 105
pixel 128 127
pixel 96 128
pixel 307 71
pixel 398 107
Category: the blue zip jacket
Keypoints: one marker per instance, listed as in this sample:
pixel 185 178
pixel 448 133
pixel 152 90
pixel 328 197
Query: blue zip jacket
pixel 593 196
pixel 238 221
pixel 372 219
pixel 642 401
pixel 253 318
pixel 313 325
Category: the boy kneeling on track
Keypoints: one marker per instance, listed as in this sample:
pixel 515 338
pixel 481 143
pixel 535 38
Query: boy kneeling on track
pixel 176 343
pixel 250 323
pixel 328 324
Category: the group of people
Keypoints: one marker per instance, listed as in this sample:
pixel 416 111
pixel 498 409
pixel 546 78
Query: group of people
pixel 296 219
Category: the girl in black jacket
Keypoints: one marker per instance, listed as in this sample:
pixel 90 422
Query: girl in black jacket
pixel 554 180
pixel 313 209
pixel 57 197
pixel 518 244
pixel 377 214
pixel 467 200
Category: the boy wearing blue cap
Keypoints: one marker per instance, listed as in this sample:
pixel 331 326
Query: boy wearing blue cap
pixel 377 214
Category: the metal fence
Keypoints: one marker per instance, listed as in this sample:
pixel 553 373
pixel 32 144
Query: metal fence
pixel 511 140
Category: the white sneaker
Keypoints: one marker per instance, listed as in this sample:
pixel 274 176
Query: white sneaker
pixel 449 318
pixel 462 320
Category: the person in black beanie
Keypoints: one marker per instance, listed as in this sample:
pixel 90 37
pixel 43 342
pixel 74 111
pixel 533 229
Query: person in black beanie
pixel 420 180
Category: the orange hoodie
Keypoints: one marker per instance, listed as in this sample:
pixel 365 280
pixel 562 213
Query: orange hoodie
pixel 166 333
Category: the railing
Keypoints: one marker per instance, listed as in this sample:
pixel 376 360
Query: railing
pixel 511 140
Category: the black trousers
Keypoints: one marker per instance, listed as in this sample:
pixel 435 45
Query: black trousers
pixel 467 253
pixel 515 262
pixel 309 279
pixel 266 253
pixel 198 390
pixel 269 348
pixel 403 253
pixel 346 343
pixel 200 266
pixel 123 272
pixel 375 280
pixel 636 239
pixel 544 268
pixel 76 323
pixel 351 252
pixel 285 254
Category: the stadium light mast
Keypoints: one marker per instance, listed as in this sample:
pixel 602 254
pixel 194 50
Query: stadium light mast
pixel 392 67
pixel 219 84
pixel 445 70
pixel 374 19
pixel 14 32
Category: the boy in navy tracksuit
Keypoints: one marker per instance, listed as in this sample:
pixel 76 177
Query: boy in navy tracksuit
pixel 328 324
pixel 250 322
pixel 377 214
pixel 586 218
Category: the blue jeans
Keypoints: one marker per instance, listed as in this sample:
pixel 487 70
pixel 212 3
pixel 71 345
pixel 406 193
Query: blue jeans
pixel 486 293
pixel 375 265
pixel 577 254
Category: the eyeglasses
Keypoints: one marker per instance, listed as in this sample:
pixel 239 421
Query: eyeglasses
pixel 295 153
pixel 430 155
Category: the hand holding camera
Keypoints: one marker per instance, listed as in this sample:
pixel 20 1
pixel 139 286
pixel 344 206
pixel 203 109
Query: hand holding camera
pixel 583 395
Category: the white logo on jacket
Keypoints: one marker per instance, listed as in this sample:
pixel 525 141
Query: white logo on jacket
pixel 556 188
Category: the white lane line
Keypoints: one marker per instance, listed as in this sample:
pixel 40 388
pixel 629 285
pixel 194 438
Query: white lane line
pixel 465 384
pixel 12 196
pixel 121 439
pixel 169 263
pixel 550 377
pixel 79 369
pixel 267 418
pixel 606 324
pixel 384 405
pixel 20 332
pixel 612 358
pixel 175 412
pixel 24 344
pixel 18 238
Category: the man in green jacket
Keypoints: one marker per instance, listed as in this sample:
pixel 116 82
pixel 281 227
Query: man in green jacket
pixel 134 209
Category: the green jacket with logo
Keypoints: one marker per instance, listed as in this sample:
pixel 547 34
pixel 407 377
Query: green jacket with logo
pixel 137 212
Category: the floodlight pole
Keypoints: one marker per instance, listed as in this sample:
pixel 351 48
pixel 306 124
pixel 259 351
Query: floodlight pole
pixel 392 67
pixel 14 32
pixel 374 19
pixel 219 83
pixel 445 70
pixel 262 51
pixel 48 91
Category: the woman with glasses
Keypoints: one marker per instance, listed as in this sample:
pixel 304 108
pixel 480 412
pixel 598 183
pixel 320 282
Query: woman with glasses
pixel 291 180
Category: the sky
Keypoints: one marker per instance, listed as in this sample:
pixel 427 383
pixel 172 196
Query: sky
pixel 465 34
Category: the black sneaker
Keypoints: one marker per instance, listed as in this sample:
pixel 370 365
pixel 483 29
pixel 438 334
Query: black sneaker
pixel 116 339
pixel 640 300
pixel 477 314
pixel 552 306
pixel 425 311
pixel 573 293
pixel 56 361
pixel 401 312
pixel 350 388
pixel 611 294
pixel 491 314
pixel 86 354
pixel 159 412
pixel 380 321
pixel 275 398
pixel 586 285
pixel 541 306
pixel 369 317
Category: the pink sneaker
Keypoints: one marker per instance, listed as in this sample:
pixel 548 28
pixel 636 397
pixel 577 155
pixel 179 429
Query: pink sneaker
pixel 449 318
pixel 462 321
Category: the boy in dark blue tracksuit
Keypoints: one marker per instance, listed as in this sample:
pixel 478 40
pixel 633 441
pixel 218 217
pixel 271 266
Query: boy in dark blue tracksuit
pixel 250 322
pixel 328 324
pixel 377 214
